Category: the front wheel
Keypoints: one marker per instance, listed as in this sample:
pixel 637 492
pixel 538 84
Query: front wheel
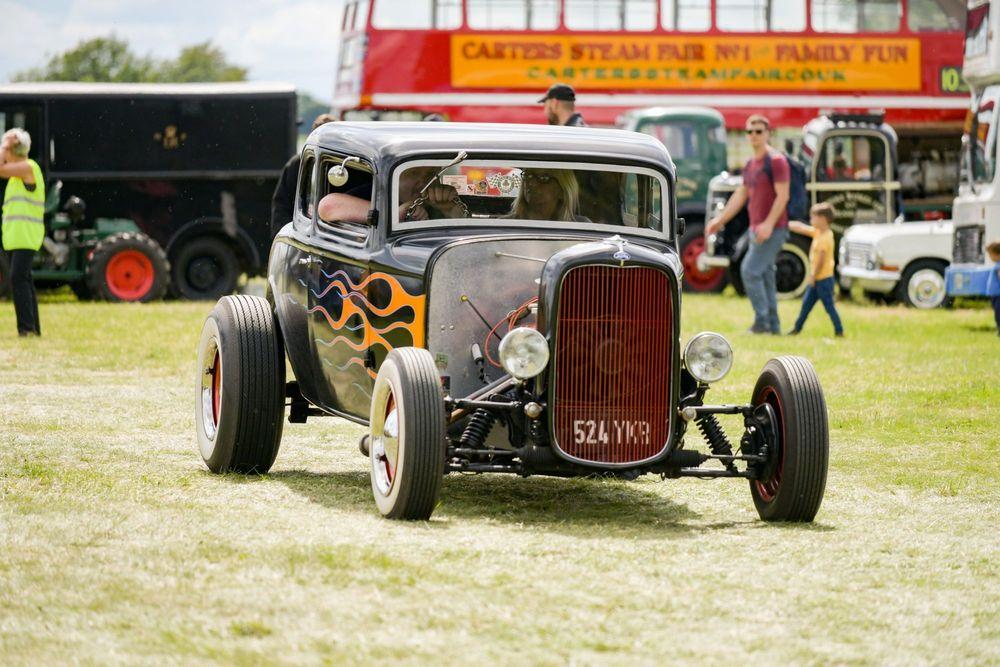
pixel 922 285
pixel 241 386
pixel 407 444
pixel 791 483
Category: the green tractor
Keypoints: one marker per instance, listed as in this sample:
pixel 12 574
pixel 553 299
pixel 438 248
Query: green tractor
pixel 695 137
pixel 110 260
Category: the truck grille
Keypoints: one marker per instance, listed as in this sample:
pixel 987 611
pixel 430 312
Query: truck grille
pixel 612 364
pixel 967 245
pixel 857 254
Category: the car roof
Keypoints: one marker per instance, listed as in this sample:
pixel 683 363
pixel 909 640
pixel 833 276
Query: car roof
pixel 383 142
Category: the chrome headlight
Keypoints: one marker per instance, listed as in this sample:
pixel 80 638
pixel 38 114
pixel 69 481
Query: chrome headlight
pixel 708 357
pixel 524 353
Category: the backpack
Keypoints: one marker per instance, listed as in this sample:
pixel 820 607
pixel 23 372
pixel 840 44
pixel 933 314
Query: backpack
pixel 798 200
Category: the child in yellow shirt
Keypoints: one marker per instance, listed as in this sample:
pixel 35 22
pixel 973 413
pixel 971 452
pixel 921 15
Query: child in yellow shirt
pixel 821 282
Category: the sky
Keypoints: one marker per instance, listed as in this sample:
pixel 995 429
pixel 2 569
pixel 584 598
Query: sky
pixel 292 41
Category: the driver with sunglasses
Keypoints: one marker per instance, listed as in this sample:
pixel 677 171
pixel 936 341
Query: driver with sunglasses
pixel 765 192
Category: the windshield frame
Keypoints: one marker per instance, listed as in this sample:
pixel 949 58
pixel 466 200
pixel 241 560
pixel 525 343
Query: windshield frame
pixel 520 161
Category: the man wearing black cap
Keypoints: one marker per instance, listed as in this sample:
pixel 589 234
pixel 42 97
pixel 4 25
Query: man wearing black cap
pixel 560 106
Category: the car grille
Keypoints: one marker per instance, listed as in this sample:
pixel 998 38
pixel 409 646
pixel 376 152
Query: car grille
pixel 857 254
pixel 612 364
pixel 967 245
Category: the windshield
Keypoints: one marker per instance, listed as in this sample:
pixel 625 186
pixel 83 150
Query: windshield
pixel 979 142
pixel 529 191
pixel 852 158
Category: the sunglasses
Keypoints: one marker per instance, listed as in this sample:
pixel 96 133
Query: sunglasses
pixel 537 178
pixel 756 130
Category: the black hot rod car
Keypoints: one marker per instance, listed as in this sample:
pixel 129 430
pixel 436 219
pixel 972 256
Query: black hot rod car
pixel 494 298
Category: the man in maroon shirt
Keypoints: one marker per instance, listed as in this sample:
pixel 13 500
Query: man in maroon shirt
pixel 765 193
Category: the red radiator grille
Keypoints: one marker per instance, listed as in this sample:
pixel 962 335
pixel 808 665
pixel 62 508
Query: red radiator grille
pixel 613 364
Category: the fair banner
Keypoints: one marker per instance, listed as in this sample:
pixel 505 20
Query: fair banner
pixel 591 62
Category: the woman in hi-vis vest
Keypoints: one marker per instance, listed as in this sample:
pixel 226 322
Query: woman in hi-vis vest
pixel 23 224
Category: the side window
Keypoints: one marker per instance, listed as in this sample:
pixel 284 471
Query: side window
pixel 349 229
pixel 305 199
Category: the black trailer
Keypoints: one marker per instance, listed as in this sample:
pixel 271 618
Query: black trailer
pixel 193 165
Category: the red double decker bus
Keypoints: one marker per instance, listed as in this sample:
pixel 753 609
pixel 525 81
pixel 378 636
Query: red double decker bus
pixel 488 60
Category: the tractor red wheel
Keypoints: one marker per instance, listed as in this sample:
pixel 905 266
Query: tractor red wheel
pixel 128 267
pixel 129 275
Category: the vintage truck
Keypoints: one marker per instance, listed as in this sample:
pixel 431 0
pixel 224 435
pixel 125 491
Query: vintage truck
pixel 192 166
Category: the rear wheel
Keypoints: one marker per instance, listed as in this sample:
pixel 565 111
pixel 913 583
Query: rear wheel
pixel 205 268
pixel 693 244
pixel 128 266
pixel 407 444
pixel 241 386
pixel 922 285
pixel 792 269
pixel 791 484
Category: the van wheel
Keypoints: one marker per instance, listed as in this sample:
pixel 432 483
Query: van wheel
pixel 204 268
pixel 790 485
pixel 922 285
pixel 792 269
pixel 407 445
pixel 240 409
pixel 128 266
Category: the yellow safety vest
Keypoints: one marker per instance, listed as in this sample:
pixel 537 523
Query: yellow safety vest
pixel 24 213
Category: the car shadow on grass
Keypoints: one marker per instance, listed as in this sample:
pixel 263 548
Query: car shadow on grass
pixel 581 507
pixel 577 506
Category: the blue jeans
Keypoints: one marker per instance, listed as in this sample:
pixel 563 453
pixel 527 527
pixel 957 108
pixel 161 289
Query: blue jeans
pixel 821 291
pixel 758 276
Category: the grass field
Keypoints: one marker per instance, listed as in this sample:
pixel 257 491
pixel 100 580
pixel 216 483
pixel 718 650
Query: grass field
pixel 117 545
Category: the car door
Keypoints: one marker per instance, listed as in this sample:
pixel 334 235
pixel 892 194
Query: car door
pixel 292 273
pixel 339 304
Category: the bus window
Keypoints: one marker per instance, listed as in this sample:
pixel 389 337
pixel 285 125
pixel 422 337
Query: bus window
pixel 686 15
pixel 935 15
pixel 633 15
pixel 856 15
pixel 513 14
pixel 418 14
pixel 760 15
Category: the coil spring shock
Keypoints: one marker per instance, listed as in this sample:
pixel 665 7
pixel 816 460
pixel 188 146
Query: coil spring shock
pixel 718 443
pixel 476 431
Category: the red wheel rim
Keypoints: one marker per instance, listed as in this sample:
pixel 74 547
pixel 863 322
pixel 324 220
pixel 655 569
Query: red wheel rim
pixel 699 281
pixel 129 275
pixel 216 389
pixel 767 489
